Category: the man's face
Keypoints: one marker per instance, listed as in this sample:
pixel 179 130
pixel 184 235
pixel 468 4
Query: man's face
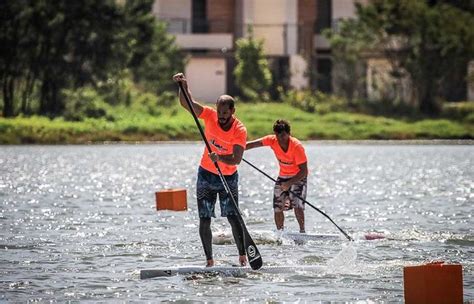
pixel 224 114
pixel 282 137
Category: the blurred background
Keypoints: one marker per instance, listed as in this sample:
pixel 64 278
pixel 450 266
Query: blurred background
pixel 82 71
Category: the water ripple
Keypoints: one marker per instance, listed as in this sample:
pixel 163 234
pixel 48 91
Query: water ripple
pixel 78 222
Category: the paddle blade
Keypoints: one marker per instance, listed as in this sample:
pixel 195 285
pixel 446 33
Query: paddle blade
pixel 254 257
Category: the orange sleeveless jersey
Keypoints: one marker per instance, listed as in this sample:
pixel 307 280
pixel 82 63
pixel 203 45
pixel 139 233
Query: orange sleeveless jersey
pixel 290 159
pixel 221 142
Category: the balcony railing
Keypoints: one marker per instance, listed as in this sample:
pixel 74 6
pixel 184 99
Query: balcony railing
pixel 198 41
pixel 320 42
pixel 280 39
pixel 187 26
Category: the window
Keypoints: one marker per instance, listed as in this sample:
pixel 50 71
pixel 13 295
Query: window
pixel 323 15
pixel 199 16
pixel 323 77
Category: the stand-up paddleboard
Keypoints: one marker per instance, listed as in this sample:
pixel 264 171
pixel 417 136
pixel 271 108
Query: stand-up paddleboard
pixel 296 236
pixel 314 237
pixel 224 270
pixel 268 237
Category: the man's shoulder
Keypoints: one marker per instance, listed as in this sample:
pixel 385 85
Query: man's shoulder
pixel 270 137
pixel 296 141
pixel 269 140
pixel 208 109
pixel 208 114
pixel 239 125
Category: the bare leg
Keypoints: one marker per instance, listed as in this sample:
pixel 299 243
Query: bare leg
pixel 299 213
pixel 279 219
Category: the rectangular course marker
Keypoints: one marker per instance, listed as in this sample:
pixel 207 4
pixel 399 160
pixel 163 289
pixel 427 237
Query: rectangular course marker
pixel 433 283
pixel 171 199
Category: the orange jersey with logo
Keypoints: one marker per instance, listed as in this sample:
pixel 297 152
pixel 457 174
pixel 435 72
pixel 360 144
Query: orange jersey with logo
pixel 222 142
pixel 290 159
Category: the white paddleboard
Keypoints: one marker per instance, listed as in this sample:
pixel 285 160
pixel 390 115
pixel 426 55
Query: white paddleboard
pixel 224 270
pixel 267 237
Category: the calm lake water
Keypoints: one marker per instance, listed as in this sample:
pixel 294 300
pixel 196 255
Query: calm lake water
pixel 79 222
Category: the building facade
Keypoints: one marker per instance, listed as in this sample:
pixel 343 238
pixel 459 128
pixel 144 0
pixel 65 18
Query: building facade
pixel 298 53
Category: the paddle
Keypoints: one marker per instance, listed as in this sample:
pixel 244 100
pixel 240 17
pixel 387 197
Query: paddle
pixel 253 255
pixel 345 234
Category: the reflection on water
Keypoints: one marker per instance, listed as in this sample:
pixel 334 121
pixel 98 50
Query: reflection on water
pixel 77 222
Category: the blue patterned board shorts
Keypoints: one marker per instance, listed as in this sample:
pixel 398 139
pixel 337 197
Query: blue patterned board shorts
pixel 208 186
pixel 280 197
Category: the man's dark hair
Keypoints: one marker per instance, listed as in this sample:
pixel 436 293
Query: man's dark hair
pixel 281 125
pixel 226 100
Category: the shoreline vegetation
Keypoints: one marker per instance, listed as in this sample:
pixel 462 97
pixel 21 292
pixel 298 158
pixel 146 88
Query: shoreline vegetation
pixel 110 79
pixel 172 123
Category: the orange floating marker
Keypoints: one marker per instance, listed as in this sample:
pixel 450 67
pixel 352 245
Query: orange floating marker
pixel 171 199
pixel 433 283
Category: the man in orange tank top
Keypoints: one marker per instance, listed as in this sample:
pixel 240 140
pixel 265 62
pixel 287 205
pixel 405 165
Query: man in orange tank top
pixel 227 137
pixel 293 163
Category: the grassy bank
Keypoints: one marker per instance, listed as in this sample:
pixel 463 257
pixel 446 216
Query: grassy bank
pixel 174 123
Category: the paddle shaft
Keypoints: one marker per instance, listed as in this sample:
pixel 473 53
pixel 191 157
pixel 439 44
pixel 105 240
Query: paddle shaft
pixel 251 250
pixel 295 194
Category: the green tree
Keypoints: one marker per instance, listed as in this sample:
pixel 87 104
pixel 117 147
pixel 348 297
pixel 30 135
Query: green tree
pixel 59 45
pixel 164 58
pixel 15 44
pixel 426 41
pixel 53 46
pixel 349 43
pixel 252 74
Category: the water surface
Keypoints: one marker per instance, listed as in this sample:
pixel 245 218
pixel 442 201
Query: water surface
pixel 78 222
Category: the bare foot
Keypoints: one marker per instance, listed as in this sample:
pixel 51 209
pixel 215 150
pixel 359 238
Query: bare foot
pixel 210 263
pixel 242 260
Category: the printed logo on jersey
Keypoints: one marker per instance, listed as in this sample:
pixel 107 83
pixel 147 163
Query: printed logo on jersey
pixel 285 163
pixel 218 147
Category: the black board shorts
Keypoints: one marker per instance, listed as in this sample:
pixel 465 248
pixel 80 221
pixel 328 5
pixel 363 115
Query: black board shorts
pixel 208 186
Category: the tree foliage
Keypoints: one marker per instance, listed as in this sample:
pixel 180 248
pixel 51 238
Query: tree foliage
pixel 252 73
pixel 348 43
pixel 48 47
pixel 429 41
pixel 164 59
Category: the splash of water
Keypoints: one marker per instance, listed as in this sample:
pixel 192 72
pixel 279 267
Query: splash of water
pixel 344 260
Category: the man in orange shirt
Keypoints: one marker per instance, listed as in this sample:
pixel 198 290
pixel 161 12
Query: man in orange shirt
pixel 227 137
pixel 292 159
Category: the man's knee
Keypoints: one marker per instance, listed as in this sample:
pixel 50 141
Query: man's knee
pixel 204 223
pixel 233 220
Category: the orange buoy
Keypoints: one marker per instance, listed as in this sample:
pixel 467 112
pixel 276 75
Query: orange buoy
pixel 171 199
pixel 433 283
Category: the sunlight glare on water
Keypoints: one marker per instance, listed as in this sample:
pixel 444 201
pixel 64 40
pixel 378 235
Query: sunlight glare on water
pixel 79 222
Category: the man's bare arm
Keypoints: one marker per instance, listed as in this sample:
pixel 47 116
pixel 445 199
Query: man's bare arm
pixel 254 144
pixel 198 108
pixel 299 176
pixel 230 159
